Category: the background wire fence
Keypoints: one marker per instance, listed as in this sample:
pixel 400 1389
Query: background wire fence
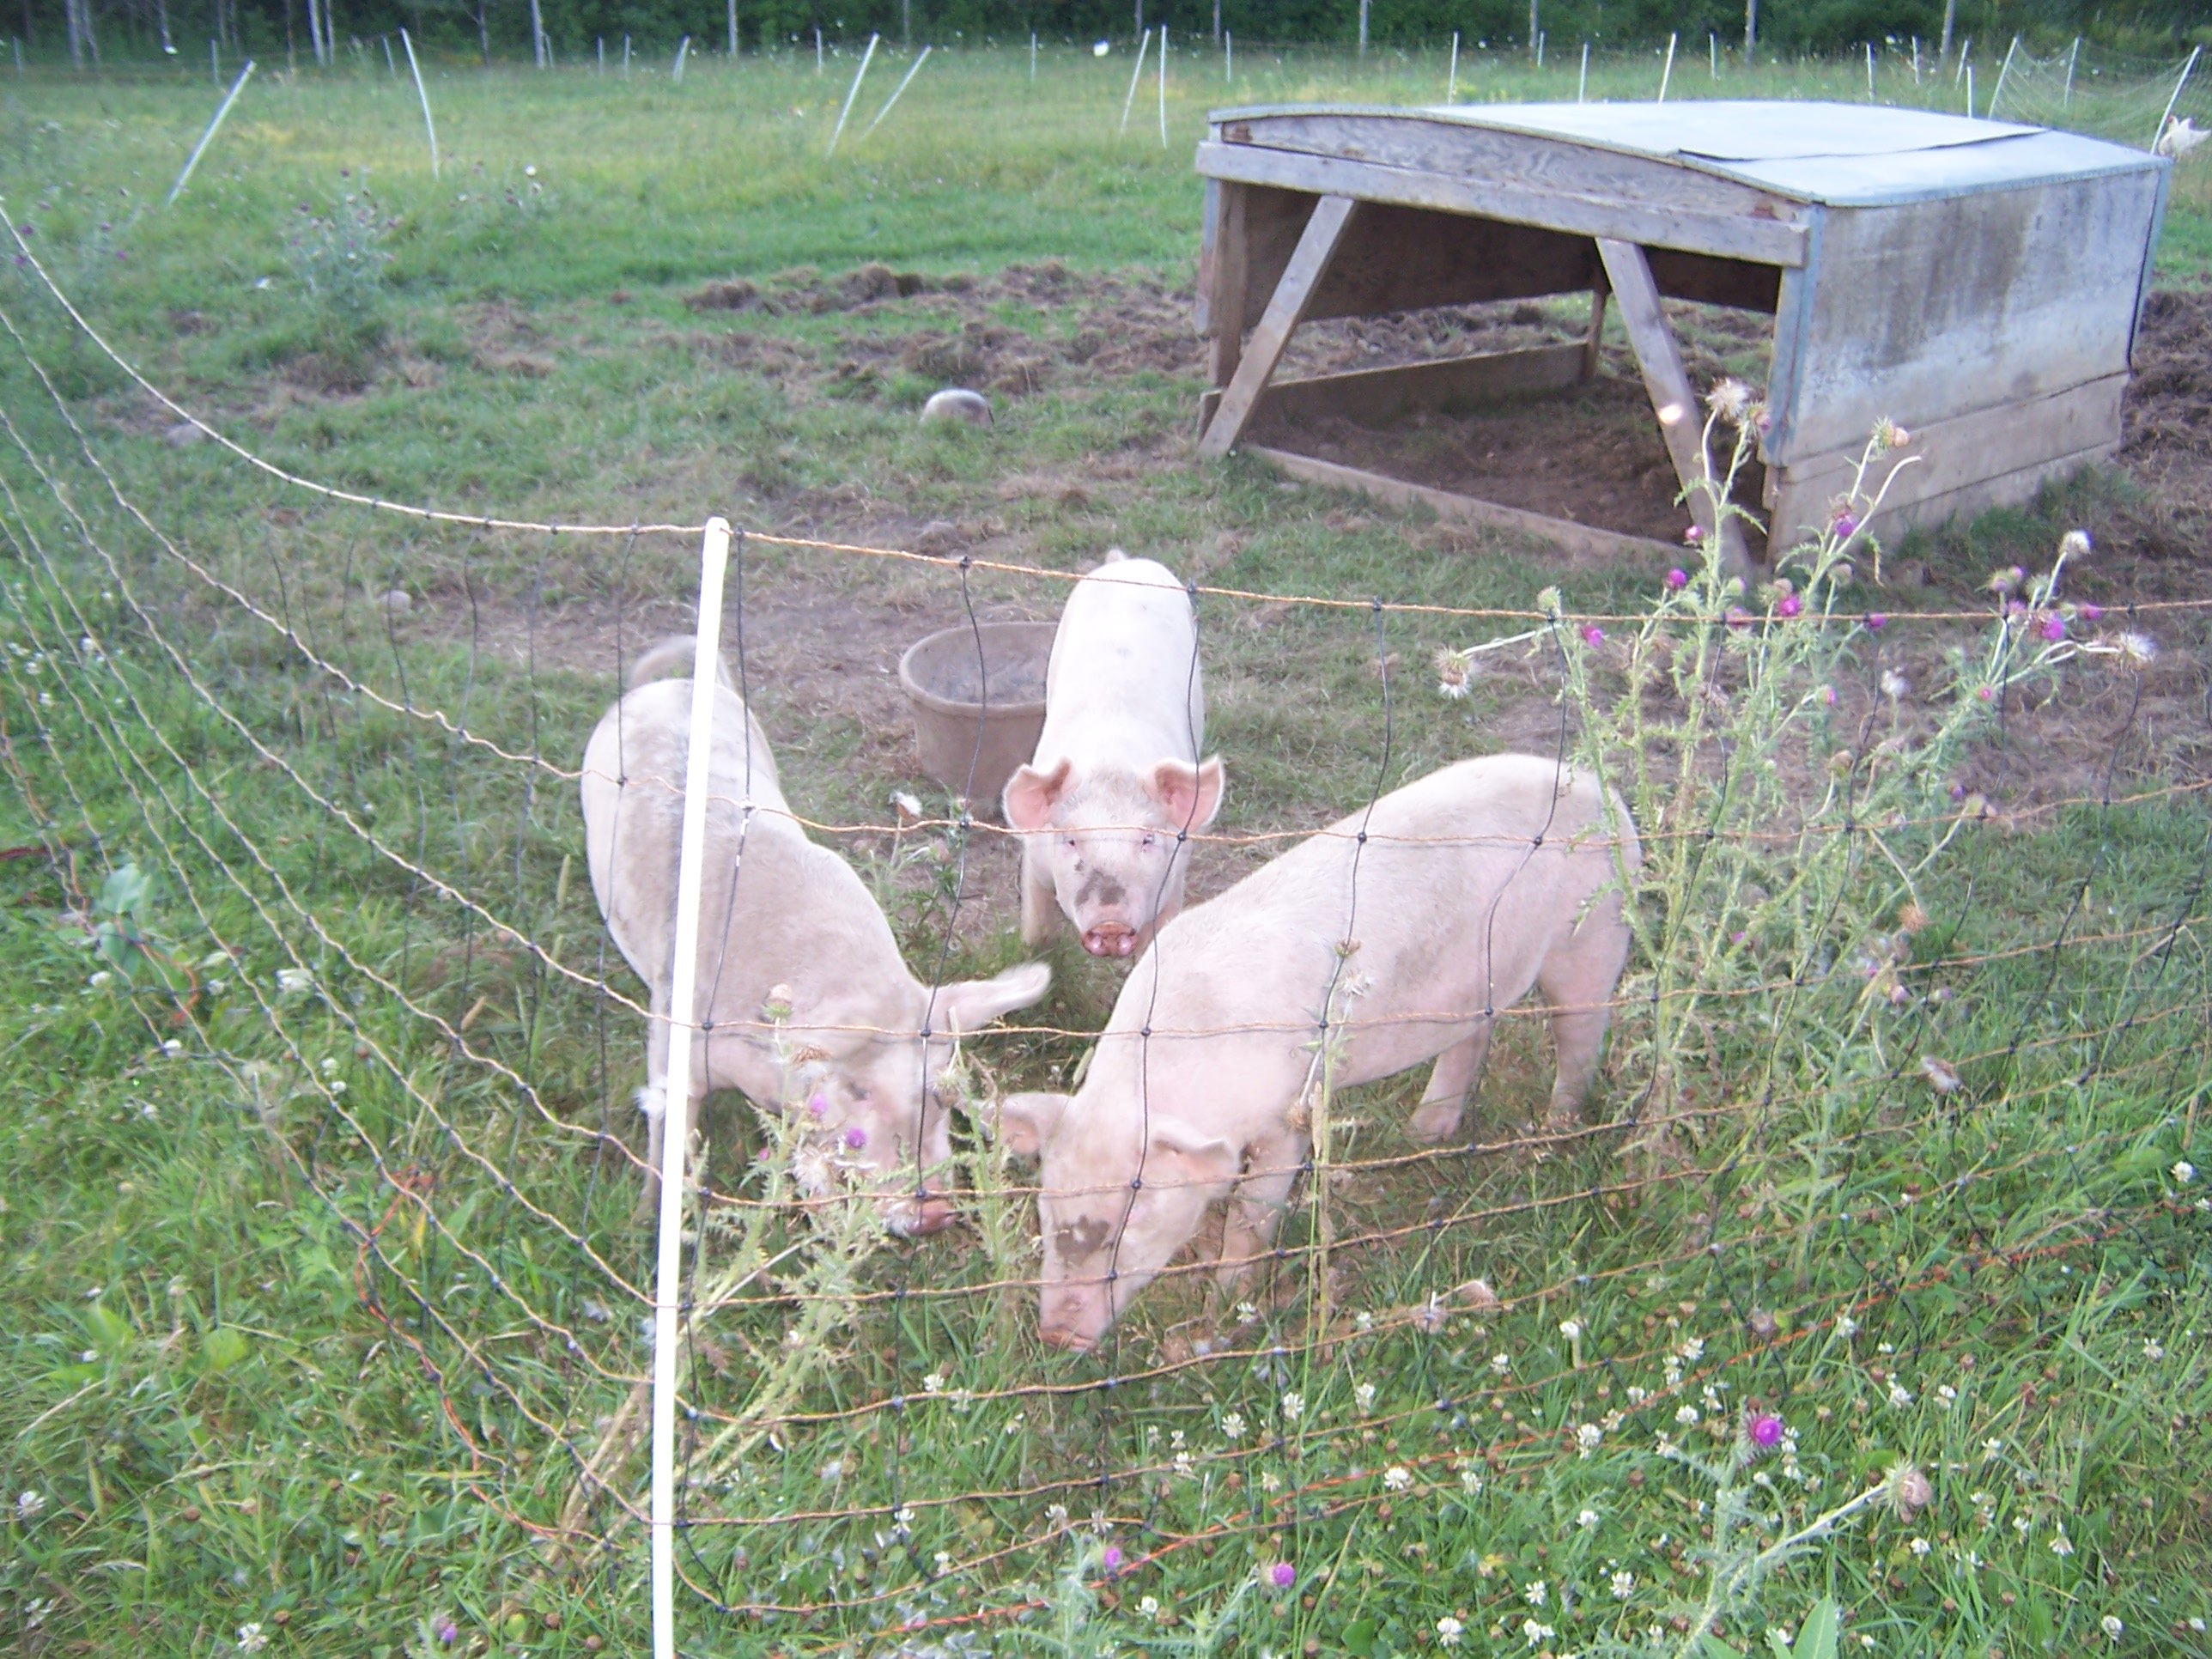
pixel 318 776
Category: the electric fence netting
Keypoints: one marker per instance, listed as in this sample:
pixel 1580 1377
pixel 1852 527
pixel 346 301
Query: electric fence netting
pixel 1910 1053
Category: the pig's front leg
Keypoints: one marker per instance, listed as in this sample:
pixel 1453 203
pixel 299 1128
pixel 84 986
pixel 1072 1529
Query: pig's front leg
pixel 1443 1102
pixel 1040 904
pixel 1255 1209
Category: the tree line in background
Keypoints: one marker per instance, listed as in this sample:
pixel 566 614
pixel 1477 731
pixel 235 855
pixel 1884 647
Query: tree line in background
pixel 96 31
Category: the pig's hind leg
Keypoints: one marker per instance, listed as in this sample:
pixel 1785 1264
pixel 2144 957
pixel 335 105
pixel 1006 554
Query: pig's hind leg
pixel 1443 1102
pixel 1579 979
pixel 1255 1209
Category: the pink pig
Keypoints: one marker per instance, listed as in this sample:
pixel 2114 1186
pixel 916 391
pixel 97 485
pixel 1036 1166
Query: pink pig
pixel 1473 886
pixel 1107 807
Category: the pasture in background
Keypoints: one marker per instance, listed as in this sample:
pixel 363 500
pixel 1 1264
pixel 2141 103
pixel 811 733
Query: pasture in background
pixel 325 1315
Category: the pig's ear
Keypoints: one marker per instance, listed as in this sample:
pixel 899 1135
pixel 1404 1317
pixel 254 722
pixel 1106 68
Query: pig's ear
pixel 1190 794
pixel 975 1003
pixel 1189 1156
pixel 1027 1121
pixel 1031 794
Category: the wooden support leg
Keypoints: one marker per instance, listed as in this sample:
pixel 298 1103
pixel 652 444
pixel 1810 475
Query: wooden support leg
pixel 1591 341
pixel 1672 396
pixel 1287 306
pixel 1225 272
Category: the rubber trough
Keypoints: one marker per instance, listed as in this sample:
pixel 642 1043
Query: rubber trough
pixel 968 742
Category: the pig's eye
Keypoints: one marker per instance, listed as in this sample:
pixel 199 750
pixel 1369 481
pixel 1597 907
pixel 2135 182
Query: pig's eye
pixel 1147 842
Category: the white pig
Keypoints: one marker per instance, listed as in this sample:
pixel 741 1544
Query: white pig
pixel 1116 789
pixel 800 919
pixel 1474 886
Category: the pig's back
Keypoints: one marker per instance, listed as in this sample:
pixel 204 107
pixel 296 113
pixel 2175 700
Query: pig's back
pixel 1452 901
pixel 1124 671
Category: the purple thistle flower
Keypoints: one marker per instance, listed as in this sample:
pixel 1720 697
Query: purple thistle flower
pixel 1738 617
pixel 1694 535
pixel 1593 634
pixel 1765 1431
pixel 1112 1559
pixel 448 1632
pixel 2054 627
pixel 856 1137
pixel 1846 526
pixel 818 1108
pixel 1677 580
pixel 2092 613
pixel 1789 606
pixel 1876 622
pixel 1282 1575
pixel 1985 693
pixel 1958 792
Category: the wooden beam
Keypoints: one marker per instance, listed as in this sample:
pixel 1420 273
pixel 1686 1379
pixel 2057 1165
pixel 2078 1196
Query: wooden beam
pixel 1596 336
pixel 1765 242
pixel 1373 396
pixel 1673 399
pixel 1285 310
pixel 1226 261
pixel 1564 533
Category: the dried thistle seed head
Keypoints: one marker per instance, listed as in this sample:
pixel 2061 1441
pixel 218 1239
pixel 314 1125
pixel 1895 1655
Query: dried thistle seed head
pixel 1908 1492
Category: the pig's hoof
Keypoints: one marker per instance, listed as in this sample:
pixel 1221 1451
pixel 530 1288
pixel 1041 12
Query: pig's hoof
pixel 1434 1123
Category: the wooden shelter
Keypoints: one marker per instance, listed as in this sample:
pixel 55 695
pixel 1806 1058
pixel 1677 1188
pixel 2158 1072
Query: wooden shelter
pixel 1978 283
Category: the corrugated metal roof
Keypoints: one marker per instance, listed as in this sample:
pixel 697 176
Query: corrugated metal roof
pixel 1847 155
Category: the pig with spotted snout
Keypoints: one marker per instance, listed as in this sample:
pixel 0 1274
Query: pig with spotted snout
pixel 784 921
pixel 1475 886
pixel 1106 806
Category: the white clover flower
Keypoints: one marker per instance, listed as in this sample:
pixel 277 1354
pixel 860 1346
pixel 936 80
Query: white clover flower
pixel 1470 1480
pixel 1948 1394
pixel 1536 1634
pixel 294 981
pixel 1687 1416
pixel 1364 1394
pixel 2183 1173
pixel 1246 1314
pixel 99 979
pixel 1294 1406
pixel 2152 1349
pixel 933 1384
pixel 1397 1479
pixel 943 1561
pixel 1920 1546
pixel 1637 1395
pixel 1233 1425
pixel 1184 1466
pixel 1571 1329
pixel 2112 1627
pixel 1894 685
pixel 1448 1631
pixel 1624 1585
pixel 1847 1328
pixel 1587 1519
pixel 1587 1437
pixel 30 1504
pixel 1899 1395
pixel 1270 1481
pixel 1692 1349
pixel 1150 1607
pixel 2062 1545
pixel 252 1638
pixel 1501 1363
pixel 1534 1594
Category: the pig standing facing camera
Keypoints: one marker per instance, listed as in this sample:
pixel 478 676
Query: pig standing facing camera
pixel 1117 787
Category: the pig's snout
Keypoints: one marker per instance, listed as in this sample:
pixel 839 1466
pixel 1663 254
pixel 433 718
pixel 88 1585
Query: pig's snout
pixel 1110 938
pixel 1067 1339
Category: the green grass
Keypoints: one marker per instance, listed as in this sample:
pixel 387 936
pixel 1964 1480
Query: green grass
pixel 326 1361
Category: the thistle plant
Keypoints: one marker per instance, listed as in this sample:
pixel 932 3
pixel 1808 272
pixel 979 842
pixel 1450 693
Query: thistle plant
pixel 1793 790
pixel 1748 1544
pixel 338 258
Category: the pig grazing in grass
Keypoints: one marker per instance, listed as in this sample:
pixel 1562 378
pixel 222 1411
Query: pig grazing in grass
pixel 801 924
pixel 1116 789
pixel 1473 885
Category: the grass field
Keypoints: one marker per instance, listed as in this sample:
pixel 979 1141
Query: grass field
pixel 323 1289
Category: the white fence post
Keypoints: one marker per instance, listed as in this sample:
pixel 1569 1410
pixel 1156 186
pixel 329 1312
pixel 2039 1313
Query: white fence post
pixel 207 137
pixel 2166 114
pixel 428 126
pixel 866 57
pixel 676 1123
